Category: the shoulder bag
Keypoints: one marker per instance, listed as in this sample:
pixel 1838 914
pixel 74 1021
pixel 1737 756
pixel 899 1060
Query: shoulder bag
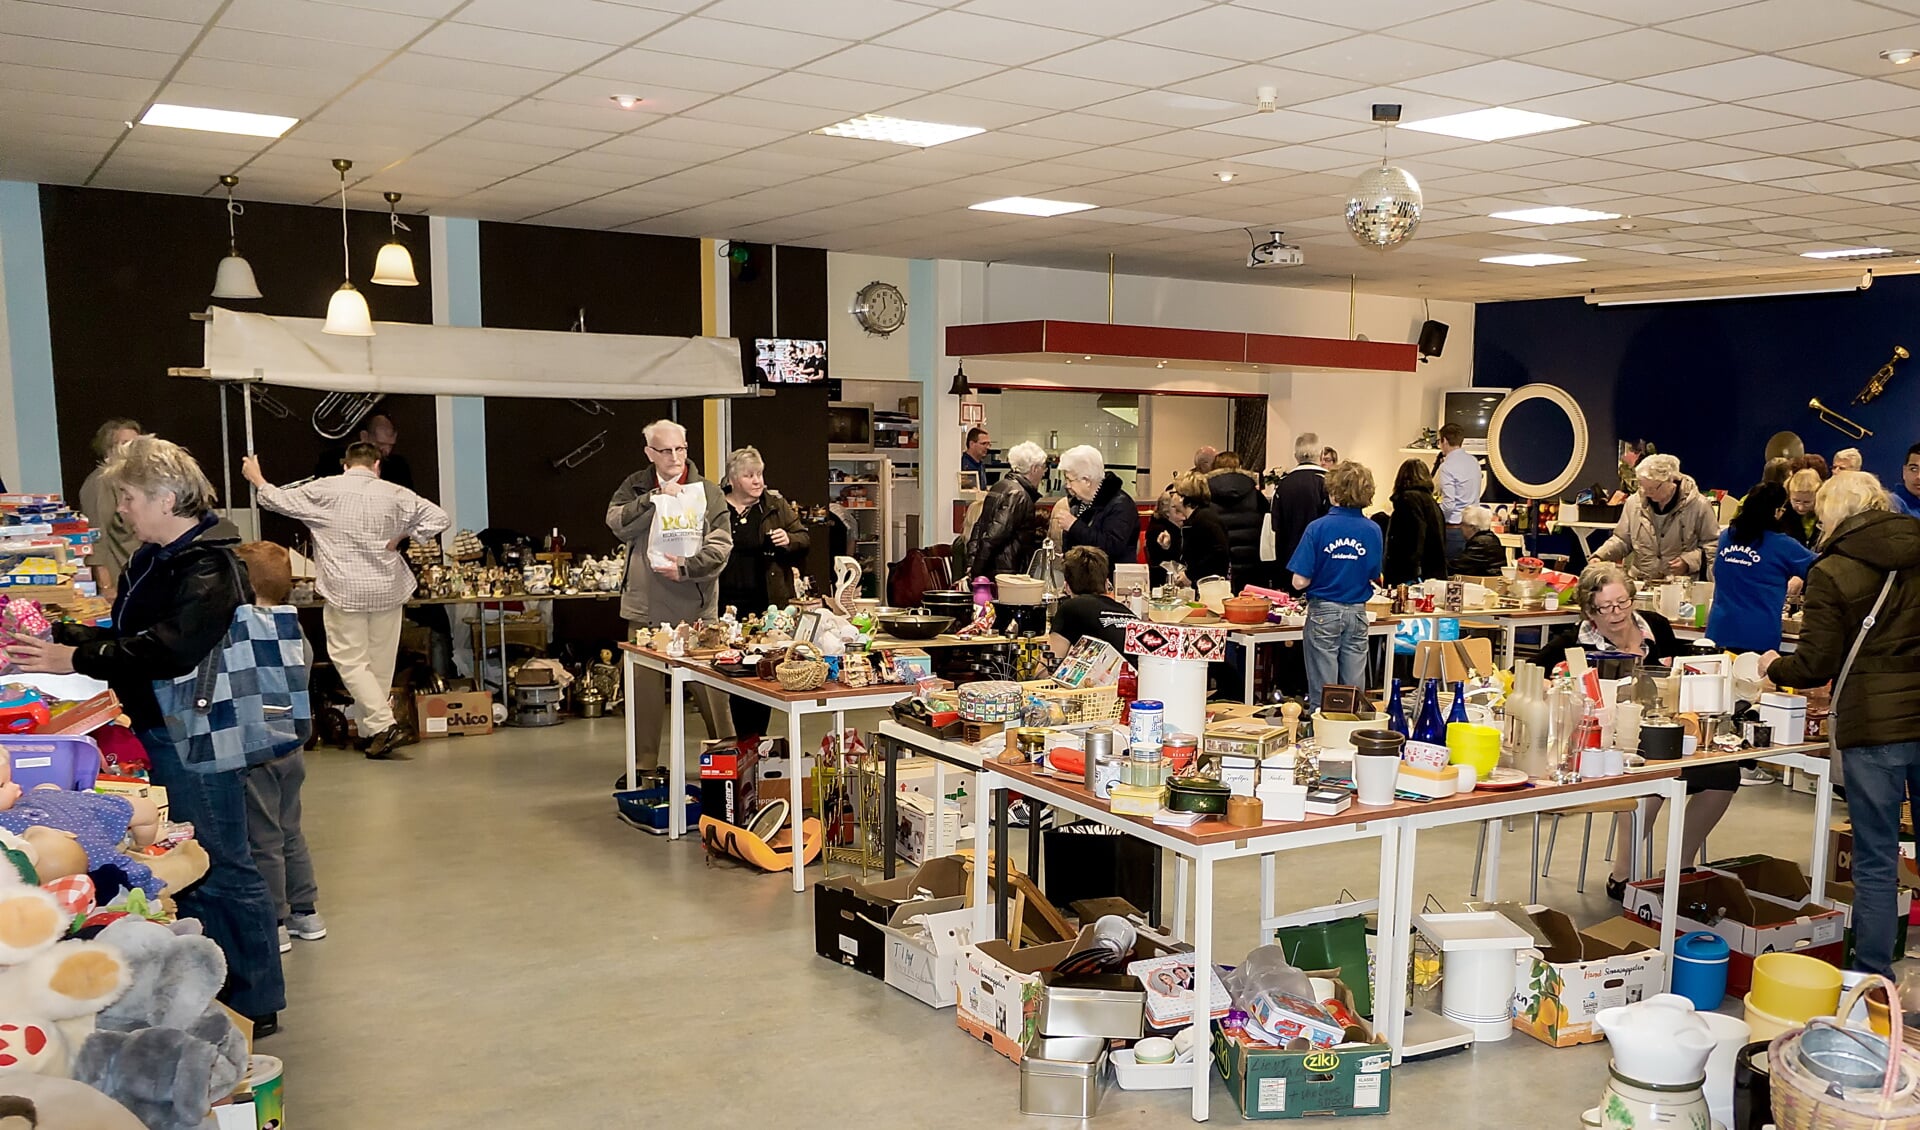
pixel 1840 680
pixel 246 704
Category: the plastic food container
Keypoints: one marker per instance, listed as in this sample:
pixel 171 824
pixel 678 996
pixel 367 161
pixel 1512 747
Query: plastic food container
pixel 1794 987
pixel 1471 744
pixel 1064 1076
pixel 1018 588
pixel 1133 1075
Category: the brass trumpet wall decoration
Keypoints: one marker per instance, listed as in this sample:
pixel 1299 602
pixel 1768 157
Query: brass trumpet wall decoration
pixel 1877 383
pixel 1838 422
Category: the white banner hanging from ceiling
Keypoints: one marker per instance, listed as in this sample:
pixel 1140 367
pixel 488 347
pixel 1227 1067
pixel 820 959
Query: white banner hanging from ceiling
pixel 405 357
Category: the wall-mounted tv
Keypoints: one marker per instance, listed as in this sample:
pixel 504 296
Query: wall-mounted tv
pixel 790 361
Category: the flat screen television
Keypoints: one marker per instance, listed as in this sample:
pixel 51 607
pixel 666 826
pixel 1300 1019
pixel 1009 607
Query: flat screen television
pixel 1472 409
pixel 790 361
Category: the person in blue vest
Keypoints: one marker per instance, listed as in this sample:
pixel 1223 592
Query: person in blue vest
pixel 1755 569
pixel 1338 560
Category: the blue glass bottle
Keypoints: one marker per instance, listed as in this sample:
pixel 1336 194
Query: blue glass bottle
pixel 1428 727
pixel 1396 713
pixel 1459 711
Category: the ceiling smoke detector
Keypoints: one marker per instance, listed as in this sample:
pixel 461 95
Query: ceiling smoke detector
pixel 1266 99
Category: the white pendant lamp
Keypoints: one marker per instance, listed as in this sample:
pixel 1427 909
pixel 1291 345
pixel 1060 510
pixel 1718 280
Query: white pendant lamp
pixel 234 279
pixel 347 313
pixel 394 265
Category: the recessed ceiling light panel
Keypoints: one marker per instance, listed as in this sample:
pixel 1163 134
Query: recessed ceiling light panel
pixel 216 121
pixel 1493 124
pixel 625 101
pixel 1555 215
pixel 899 131
pixel 1849 253
pixel 1030 206
pixel 1533 259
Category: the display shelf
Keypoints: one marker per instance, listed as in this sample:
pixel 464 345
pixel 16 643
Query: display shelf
pixel 874 550
pixel 853 482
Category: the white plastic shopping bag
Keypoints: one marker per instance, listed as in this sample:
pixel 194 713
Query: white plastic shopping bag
pixel 679 525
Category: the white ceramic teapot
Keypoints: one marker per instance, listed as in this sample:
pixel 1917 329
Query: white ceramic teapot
pixel 1659 1041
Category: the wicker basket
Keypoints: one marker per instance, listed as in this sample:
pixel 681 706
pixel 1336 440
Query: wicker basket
pixel 797 672
pixel 1081 704
pixel 1801 1100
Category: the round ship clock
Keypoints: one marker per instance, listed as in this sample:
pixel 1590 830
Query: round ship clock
pixel 880 308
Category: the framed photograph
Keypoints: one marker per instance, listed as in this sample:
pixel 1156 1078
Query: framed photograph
pixel 808 627
pixel 969 480
pixel 1336 699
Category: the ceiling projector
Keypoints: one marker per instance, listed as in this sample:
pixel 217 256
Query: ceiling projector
pixel 1275 253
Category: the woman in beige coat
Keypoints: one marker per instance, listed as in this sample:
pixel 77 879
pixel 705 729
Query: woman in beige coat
pixel 1667 528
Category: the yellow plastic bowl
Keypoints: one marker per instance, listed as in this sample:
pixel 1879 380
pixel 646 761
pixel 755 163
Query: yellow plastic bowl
pixel 1794 986
pixel 1469 743
pixel 1763 1024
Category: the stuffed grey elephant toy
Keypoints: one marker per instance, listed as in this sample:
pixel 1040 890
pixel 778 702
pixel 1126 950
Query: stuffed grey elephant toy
pixel 165 1050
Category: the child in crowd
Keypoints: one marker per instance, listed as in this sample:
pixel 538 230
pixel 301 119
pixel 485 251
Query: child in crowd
pixel 273 789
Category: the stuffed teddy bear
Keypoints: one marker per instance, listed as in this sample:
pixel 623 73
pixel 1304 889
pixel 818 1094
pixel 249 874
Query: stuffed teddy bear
pixel 164 1049
pixel 50 989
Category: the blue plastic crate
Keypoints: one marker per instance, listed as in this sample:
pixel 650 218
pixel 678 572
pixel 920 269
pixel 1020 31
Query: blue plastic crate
pixel 646 809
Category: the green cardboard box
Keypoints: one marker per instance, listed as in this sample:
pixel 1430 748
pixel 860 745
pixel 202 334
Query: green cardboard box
pixel 1353 1079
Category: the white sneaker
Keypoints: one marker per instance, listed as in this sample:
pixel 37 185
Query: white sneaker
pixel 1758 776
pixel 307 927
pixel 286 940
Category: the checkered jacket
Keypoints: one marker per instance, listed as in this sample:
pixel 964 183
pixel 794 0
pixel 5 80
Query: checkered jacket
pixel 354 517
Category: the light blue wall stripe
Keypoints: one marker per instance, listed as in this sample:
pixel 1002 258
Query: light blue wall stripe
pixel 29 337
pixel 469 488
pixel 923 354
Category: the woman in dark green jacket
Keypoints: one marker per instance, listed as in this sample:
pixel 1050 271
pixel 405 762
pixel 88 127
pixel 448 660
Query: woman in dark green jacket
pixel 769 542
pixel 1870 556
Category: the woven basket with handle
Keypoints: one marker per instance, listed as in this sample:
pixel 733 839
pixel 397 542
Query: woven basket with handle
pixel 1804 1101
pixel 798 672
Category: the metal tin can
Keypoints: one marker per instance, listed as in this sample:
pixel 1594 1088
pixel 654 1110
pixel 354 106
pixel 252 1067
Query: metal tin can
pixel 1099 749
pixel 1146 724
pixel 1179 751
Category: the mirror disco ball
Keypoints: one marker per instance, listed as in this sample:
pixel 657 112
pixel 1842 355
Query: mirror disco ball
pixel 1383 207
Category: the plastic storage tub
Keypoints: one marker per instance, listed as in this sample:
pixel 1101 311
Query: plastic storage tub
pixel 67 761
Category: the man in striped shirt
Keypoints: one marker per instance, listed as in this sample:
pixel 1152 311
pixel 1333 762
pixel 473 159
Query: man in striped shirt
pixel 360 526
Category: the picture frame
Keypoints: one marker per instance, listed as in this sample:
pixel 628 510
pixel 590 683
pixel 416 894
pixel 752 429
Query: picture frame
pixel 969 480
pixel 1337 699
pixel 807 627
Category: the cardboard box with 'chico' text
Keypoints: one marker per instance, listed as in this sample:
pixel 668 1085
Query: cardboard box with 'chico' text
pixel 465 712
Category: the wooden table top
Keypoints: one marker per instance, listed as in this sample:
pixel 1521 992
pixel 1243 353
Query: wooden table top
pixel 767 686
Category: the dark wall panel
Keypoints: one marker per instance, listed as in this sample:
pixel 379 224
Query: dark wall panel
pixel 541 278
pixel 124 271
pixel 1711 381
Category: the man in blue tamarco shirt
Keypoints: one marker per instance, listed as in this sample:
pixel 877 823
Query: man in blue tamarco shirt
pixel 1338 558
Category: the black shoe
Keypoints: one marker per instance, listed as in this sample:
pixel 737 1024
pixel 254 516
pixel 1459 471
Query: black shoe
pixel 386 745
pixel 1617 890
pixel 264 1026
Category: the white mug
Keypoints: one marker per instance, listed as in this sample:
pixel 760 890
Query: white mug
pixel 1467 776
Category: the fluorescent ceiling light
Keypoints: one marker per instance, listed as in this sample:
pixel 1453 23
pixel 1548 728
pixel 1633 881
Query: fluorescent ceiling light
pixel 899 131
pixel 1555 215
pixel 1532 259
pixel 217 121
pixel 1494 124
pixel 1848 253
pixel 1755 289
pixel 1030 206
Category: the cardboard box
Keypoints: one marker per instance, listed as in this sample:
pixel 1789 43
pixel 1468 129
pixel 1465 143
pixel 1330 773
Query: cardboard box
pixel 1840 896
pixel 1344 1081
pixel 133 786
pixel 443 715
pixel 847 913
pixel 1840 852
pixel 1583 971
pixel 999 987
pixel 924 942
pixel 1761 913
pixel 913 827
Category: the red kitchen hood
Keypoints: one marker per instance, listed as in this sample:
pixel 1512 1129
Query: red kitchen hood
pixel 1054 342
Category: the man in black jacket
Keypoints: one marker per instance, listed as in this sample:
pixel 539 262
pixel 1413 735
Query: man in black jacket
pixel 1003 538
pixel 1300 497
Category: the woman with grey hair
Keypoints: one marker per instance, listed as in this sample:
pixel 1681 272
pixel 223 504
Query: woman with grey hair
pixel 176 603
pixel 1096 511
pixel 769 541
pixel 1483 556
pixel 1002 540
pixel 1667 528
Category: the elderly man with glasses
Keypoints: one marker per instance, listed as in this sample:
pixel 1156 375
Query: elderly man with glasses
pixel 674 524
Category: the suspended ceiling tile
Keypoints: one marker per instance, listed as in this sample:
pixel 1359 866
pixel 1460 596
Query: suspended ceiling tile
pixel 49 80
pixel 1711 121
pixel 871 62
pixel 1242 84
pixel 1842 100
pixel 373 99
pixel 1501 82
pixel 743 43
pixel 1052 91
pixel 1285 125
pixel 1137 64
pixel 84 57
pixel 598 93
pixel 967 36
pixel 312 20
pixel 471 42
pixel 259 84
pixel 1247 34
pixel 592 20
pixel 846 95
pixel 956 110
pixel 1754 76
pixel 1614 102
pixel 637 71
pixel 600 118
pixel 1763 169
pixel 1367 17
pixel 1377 59
pixel 1508 27
pixel 843 19
pixel 463 74
pixel 1774 25
pixel 763 113
pixel 1811 137
pixel 1633 54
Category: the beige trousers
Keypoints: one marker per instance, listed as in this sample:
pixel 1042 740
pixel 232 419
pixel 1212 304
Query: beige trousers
pixel 649 714
pixel 363 647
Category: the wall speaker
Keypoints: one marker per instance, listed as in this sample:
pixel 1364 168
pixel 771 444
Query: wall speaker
pixel 1433 338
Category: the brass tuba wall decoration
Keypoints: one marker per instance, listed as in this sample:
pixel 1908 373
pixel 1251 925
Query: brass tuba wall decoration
pixel 1838 422
pixel 1877 383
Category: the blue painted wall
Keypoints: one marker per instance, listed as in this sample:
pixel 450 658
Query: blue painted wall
pixel 1711 381
pixel 30 343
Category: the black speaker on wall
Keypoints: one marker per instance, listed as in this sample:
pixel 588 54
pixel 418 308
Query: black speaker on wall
pixel 1433 338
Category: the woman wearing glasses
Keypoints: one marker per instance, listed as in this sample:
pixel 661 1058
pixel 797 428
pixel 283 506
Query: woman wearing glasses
pixel 1605 596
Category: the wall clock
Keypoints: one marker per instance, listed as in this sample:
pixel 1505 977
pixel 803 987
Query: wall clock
pixel 880 308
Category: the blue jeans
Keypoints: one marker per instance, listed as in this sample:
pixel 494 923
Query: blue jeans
pixel 1336 646
pixel 232 902
pixel 1456 543
pixel 1878 779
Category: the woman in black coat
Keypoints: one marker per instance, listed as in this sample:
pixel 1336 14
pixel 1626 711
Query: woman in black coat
pixel 769 540
pixel 1203 539
pixel 1096 511
pixel 1237 502
pixel 176 602
pixel 1483 556
pixel 1416 533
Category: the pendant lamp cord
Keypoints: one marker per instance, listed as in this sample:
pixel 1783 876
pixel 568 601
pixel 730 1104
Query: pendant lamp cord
pixel 234 208
pixel 346 261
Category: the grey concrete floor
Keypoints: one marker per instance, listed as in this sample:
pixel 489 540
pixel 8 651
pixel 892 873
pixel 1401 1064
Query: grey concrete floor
pixel 505 952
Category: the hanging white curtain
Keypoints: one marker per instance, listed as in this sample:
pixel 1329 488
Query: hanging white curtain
pixel 405 357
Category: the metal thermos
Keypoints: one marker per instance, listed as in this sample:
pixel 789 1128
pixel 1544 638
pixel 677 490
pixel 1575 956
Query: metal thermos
pixel 1099 748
